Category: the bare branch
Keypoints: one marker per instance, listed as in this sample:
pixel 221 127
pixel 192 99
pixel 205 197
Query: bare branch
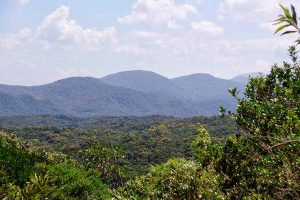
pixel 281 144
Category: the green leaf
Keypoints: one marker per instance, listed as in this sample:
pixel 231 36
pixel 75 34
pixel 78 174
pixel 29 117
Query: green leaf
pixel 294 14
pixel 286 11
pixel 233 92
pixel 288 32
pixel 281 28
pixel 277 22
pixel 222 111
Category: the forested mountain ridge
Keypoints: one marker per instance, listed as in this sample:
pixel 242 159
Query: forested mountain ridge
pixel 145 81
pixel 126 93
pixel 205 87
pixel 89 96
pixel 25 105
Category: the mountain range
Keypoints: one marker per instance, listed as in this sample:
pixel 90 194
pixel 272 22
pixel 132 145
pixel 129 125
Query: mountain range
pixel 133 93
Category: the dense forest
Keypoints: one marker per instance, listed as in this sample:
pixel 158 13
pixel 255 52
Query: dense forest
pixel 251 153
pixel 143 141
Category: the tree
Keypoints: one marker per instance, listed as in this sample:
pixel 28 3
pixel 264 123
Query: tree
pixel 105 160
pixel 264 162
pixel 176 179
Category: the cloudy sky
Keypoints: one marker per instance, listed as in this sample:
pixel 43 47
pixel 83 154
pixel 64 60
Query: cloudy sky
pixel 43 41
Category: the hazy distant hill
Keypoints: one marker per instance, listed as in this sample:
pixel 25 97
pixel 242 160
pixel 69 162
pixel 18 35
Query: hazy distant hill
pixel 25 105
pixel 125 93
pixel 244 78
pixel 195 87
pixel 90 96
pixel 144 81
pixel 204 87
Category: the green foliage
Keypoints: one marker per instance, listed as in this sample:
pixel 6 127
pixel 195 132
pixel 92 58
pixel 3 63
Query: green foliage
pixel 16 160
pixel 271 106
pixel 36 188
pixel 202 145
pixel 71 182
pixel 61 121
pixel 248 169
pixel 26 173
pixel 176 179
pixel 144 141
pixel 104 160
pixel 288 19
pixel 205 152
pixel 264 162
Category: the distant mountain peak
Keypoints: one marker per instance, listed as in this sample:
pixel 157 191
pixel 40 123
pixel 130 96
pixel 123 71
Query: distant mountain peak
pixel 141 80
pixel 132 73
pixel 76 78
pixel 196 75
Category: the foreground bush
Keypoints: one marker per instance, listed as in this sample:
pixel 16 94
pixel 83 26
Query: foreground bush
pixel 26 173
pixel 176 179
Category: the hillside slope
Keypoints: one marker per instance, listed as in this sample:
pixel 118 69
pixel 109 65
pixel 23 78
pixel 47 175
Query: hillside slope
pixel 25 105
pixel 132 93
pixel 145 81
pixel 90 96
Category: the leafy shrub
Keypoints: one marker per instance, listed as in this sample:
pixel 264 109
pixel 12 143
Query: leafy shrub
pixel 176 179
pixel 29 174
pixel 16 160
pixel 71 182
pixel 264 162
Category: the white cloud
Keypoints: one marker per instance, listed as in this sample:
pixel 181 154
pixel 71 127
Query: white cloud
pixel 261 65
pixel 167 51
pixel 14 40
pixel 155 38
pixel 199 1
pixel 71 72
pixel 207 27
pixel 259 11
pixel 129 48
pixel 258 65
pixel 154 42
pixel 8 42
pixel 22 2
pixel 18 2
pixel 159 13
pixel 194 45
pixel 59 28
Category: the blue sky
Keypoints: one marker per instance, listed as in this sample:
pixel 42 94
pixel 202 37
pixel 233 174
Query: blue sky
pixel 43 41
